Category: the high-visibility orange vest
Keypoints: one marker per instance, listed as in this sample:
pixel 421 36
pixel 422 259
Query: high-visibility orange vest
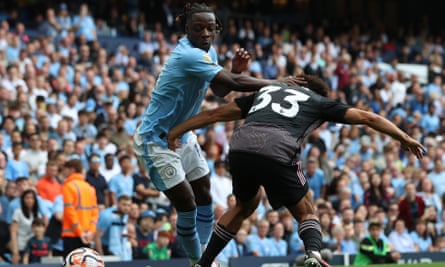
pixel 80 212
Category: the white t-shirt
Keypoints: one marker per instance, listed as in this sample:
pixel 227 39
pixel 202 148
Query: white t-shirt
pixel 24 232
pixel 220 188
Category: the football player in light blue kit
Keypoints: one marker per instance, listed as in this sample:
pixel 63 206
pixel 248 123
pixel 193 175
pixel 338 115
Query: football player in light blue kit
pixel 183 175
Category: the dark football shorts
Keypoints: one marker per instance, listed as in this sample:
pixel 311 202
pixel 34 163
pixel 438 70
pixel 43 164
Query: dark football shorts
pixel 284 184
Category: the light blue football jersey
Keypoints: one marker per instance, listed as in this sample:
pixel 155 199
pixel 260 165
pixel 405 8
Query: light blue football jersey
pixel 180 89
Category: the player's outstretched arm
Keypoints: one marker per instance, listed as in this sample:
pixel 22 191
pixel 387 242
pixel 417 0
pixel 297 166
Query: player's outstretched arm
pixel 226 81
pixel 381 124
pixel 226 112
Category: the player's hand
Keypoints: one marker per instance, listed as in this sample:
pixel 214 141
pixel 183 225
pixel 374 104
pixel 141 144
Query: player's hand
pixel 414 147
pixel 294 80
pixel 240 61
pixel 173 141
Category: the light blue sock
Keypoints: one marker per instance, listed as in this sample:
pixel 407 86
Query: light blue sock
pixel 204 223
pixel 186 230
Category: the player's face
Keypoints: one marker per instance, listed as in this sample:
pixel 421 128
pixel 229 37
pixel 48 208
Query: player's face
pixel 201 30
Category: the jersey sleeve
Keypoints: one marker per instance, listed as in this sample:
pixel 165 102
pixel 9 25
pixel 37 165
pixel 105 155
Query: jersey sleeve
pixel 198 63
pixel 245 103
pixel 104 221
pixel 333 110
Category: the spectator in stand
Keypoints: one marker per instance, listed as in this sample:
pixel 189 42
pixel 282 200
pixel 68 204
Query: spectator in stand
pixel 144 232
pixel 376 194
pixel 175 244
pixel 49 186
pixel 49 27
pixel 122 183
pixel 421 237
pixel 236 248
pixel 315 178
pixel 84 24
pixel 278 244
pixel 23 184
pixel 392 215
pixel 20 227
pixel 159 250
pixel 15 167
pixel 143 187
pixel 400 238
pixel 103 146
pixel 220 184
pixel 426 190
pixel 9 194
pixel 97 180
pixel 109 168
pixel 111 234
pixel 437 176
pixel 39 245
pixel 64 20
pixel 296 244
pixel 411 206
pixel 430 122
pixel 259 244
pixel 35 157
pixel 120 137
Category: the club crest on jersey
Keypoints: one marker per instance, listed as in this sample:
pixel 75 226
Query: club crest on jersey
pixel 169 171
pixel 206 57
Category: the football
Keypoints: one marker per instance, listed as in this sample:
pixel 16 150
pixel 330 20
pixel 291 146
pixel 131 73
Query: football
pixel 83 257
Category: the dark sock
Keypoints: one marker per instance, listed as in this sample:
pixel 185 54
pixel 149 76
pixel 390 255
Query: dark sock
pixel 219 239
pixel 310 232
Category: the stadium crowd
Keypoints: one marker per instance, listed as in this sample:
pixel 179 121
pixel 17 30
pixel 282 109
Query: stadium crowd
pixel 64 97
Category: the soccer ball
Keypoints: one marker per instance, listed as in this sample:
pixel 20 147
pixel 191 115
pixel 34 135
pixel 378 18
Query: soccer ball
pixel 83 257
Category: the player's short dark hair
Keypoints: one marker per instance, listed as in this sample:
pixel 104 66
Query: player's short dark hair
pixel 316 84
pixel 193 8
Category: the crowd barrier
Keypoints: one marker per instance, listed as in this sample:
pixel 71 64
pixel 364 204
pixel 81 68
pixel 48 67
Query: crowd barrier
pixel 287 261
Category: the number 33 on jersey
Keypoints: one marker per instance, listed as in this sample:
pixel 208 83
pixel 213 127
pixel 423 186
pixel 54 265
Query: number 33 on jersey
pixel 292 97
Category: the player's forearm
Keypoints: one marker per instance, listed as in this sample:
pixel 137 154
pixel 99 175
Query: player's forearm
pixel 244 83
pixel 383 125
pixel 227 112
pixel 202 119
pixel 225 81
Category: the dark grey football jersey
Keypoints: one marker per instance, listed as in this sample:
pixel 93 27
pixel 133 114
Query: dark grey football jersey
pixel 278 118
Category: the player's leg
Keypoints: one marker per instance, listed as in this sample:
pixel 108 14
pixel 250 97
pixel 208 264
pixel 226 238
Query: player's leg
pixel 227 227
pixel 309 230
pixel 197 173
pixel 204 217
pixel 289 188
pixel 246 190
pixel 167 174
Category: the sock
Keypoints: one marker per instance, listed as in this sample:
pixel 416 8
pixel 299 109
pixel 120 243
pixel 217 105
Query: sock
pixel 204 223
pixel 220 238
pixel 186 230
pixel 310 232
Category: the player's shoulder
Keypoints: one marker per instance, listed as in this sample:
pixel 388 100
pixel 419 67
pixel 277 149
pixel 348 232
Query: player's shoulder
pixel 187 52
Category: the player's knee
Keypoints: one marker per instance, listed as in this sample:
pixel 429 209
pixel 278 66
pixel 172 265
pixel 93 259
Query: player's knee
pixel 202 200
